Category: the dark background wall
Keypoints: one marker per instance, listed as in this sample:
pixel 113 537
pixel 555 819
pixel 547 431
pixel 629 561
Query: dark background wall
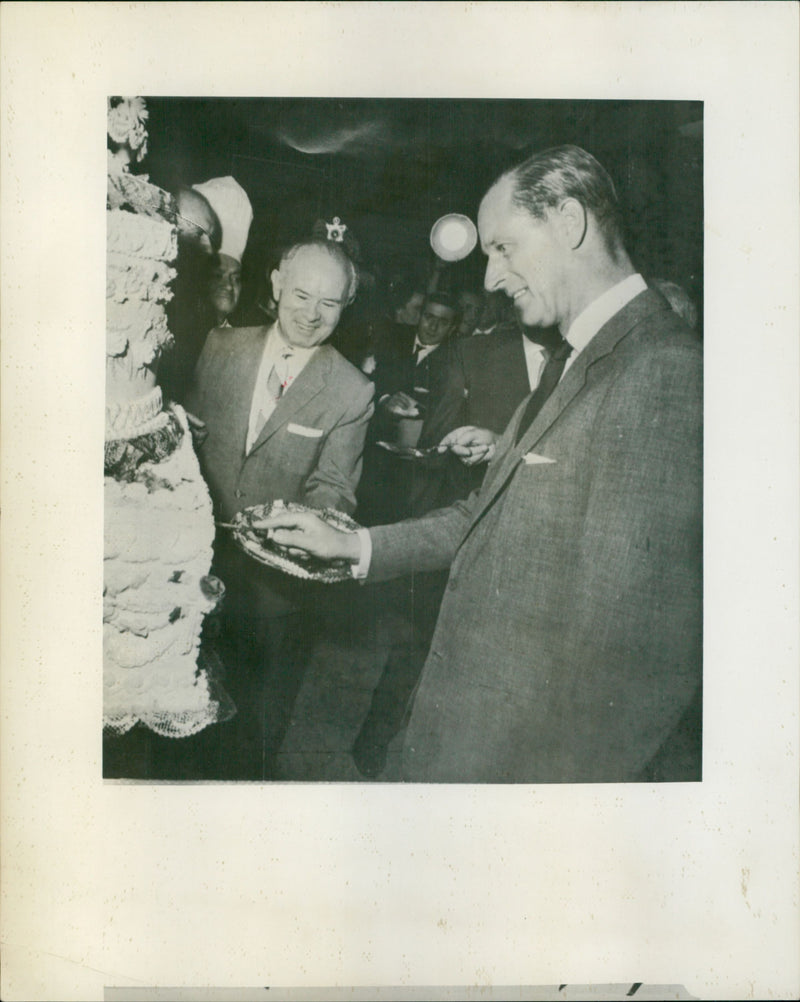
pixel 390 167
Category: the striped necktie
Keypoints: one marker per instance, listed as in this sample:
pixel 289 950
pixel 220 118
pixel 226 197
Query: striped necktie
pixel 274 385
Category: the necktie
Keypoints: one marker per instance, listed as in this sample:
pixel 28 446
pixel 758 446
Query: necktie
pixel 276 387
pixel 548 382
pixel 279 379
pixel 274 384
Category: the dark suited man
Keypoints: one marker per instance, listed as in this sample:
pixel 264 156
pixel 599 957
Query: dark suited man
pixel 286 417
pixel 568 646
pixel 409 378
pixel 486 378
pixel 409 371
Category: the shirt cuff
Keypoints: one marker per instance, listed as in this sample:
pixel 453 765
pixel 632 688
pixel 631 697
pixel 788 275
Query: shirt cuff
pixel 361 569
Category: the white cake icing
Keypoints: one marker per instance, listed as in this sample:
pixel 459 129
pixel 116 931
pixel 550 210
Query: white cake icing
pixel 138 277
pixel 139 416
pixel 159 526
pixel 157 552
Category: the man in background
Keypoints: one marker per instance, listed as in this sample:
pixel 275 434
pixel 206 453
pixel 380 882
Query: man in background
pixel 409 378
pixel 486 378
pixel 199 238
pixel 235 213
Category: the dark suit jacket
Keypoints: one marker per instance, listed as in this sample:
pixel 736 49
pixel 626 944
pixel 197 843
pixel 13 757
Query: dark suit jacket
pixel 568 647
pixel 483 384
pixel 395 368
pixel 310 449
pixel 400 487
pixel 485 381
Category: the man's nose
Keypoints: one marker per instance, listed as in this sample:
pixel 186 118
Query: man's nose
pixel 311 310
pixel 495 274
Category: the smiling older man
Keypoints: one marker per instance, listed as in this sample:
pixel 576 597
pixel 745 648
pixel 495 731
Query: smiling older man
pixel 568 646
pixel 285 417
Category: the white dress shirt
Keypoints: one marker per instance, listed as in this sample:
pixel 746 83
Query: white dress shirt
pixel 589 321
pixel 535 361
pixel 423 350
pixel 288 362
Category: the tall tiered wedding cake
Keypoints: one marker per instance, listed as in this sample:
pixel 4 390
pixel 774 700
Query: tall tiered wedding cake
pixel 159 526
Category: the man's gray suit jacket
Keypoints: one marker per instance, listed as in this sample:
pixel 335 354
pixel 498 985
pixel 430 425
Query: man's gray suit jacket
pixel 568 647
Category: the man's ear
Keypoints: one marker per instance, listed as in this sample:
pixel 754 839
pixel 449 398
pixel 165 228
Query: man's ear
pixel 573 222
pixel 275 279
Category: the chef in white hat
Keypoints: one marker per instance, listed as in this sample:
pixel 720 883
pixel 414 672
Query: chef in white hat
pixel 232 206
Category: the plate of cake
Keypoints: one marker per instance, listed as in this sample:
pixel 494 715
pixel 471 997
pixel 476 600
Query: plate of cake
pixel 258 544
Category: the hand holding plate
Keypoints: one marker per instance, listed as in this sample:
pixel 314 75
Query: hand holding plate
pixel 307 532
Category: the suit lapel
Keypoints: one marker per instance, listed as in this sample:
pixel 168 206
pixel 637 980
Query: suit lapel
pixel 601 345
pixel 307 385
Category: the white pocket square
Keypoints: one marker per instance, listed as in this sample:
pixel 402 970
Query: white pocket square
pixel 301 429
pixel 534 457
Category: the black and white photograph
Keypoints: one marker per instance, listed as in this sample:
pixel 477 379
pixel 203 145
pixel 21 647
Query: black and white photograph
pixel 400 432
pixel 469 330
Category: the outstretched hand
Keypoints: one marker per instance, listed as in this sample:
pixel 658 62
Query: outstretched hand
pixel 472 445
pixel 305 531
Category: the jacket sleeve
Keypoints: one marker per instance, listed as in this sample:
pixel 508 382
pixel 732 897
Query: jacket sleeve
pixel 334 480
pixel 419 544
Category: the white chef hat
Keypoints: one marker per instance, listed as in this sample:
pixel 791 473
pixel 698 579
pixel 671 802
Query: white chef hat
pixel 230 202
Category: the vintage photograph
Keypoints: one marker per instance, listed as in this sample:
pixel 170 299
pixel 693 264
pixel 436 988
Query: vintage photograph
pixel 403 440
pixel 400 497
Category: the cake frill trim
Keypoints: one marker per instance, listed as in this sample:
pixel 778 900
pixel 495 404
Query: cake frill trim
pixel 132 418
pixel 181 724
pixel 148 439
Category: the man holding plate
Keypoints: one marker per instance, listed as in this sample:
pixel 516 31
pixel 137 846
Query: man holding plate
pixel 569 643
pixel 285 417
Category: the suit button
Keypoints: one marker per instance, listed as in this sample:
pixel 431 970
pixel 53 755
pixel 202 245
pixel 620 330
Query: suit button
pixel 452 584
pixel 238 493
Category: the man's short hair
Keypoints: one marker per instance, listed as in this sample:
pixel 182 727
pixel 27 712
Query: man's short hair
pixel 544 180
pixel 443 299
pixel 334 250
